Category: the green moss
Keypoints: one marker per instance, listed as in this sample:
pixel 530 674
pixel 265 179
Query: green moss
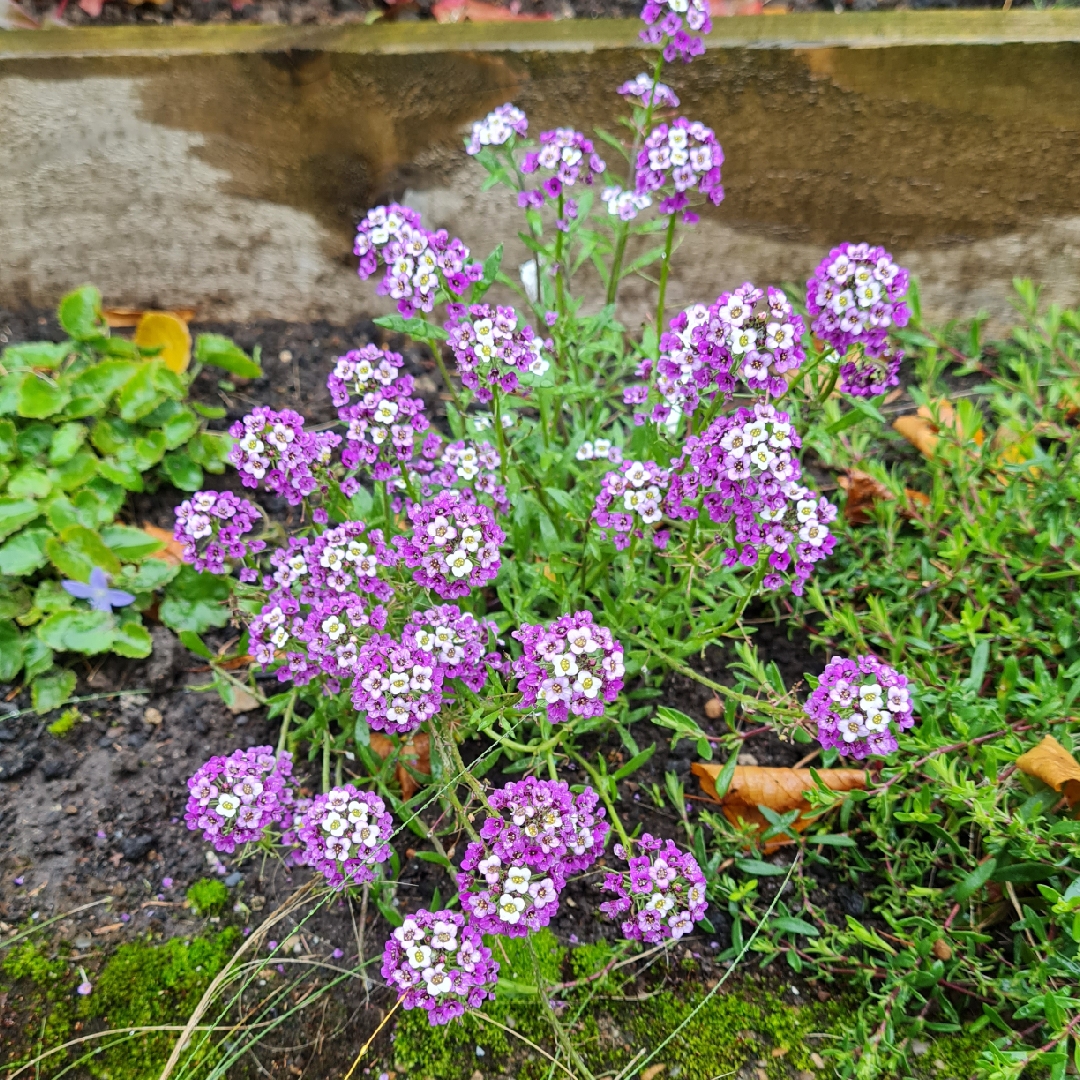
pixel 141 985
pixel 145 984
pixel 68 719
pixel 208 896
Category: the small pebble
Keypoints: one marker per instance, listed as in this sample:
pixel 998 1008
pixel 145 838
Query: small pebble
pixel 285 356
pixel 234 879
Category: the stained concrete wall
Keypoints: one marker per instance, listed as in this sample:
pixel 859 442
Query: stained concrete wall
pixel 224 167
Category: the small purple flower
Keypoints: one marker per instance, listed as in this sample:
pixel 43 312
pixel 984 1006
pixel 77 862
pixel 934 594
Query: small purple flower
pixel 462 464
pixel 675 26
pixel 497 128
pixel 345 834
pixel 273 448
pixel 856 296
pixel 491 350
pixel 234 799
pixel 642 89
pixel 454 641
pixel 417 262
pixel 631 502
pixel 437 961
pixel 211 524
pixel 509 896
pixel 859 705
pixel 454 544
pixel 677 159
pixel 571 666
pixel 568 158
pixel 660 896
pixel 397 684
pixel 362 370
pixel 85 987
pixel 625 205
pixel 101 597
pixel 167 883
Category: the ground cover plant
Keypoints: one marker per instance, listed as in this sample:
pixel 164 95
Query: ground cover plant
pixel 471 625
pixel 83 422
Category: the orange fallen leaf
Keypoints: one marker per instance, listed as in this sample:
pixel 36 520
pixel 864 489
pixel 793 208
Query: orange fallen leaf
pixel 452 11
pixel 172 552
pixel 417 752
pixel 781 790
pixel 863 491
pixel 163 330
pixel 923 432
pixel 1051 763
pixel 719 9
pixel 125 318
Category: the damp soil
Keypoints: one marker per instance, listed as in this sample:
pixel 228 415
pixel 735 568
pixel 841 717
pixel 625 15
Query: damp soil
pixel 329 12
pixel 96 816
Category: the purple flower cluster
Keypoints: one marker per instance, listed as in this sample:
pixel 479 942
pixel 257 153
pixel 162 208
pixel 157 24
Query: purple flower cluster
pixel 684 156
pixel 454 546
pixel 233 799
pixel 497 128
pixel 631 502
pixel 455 642
pixel 758 345
pixel 642 89
pixel 506 896
pixel 625 205
pixel 743 470
pixel 549 827
pixel 859 705
pixel 662 894
pixel 668 23
pixel 361 370
pixel 459 465
pixel 210 525
pixel 491 350
pixel 856 296
pixel 569 158
pixel 573 666
pixel 397 683
pixel 599 450
pixel 416 261
pixel 274 447
pixel 438 962
pixel 345 834
pixel 384 426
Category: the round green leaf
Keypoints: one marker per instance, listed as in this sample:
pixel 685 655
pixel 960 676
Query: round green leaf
pixel 132 639
pixel 40 397
pixel 78 550
pixel 182 472
pixel 15 513
pixel 88 632
pixel 129 544
pixel 11 651
pixel 24 552
pixel 49 692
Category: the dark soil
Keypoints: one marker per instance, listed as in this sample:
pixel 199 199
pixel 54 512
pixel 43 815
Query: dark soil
pixel 323 12
pixel 97 815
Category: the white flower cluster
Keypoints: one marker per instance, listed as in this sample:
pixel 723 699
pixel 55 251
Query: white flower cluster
pixel 873 707
pixel 347 826
pixel 599 450
pixel 518 890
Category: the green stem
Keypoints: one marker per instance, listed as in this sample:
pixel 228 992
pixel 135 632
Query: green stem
pixel 665 269
pixel 436 351
pixel 561 1035
pixel 500 436
pixel 622 235
pixel 560 287
pixel 326 760
pixel 601 788
pixel 388 515
pixel 829 385
pixel 463 769
pixel 290 706
pixel 451 786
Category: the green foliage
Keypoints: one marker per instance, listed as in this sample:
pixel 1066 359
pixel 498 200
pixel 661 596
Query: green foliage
pixel 208 896
pixel 64 723
pixel 82 423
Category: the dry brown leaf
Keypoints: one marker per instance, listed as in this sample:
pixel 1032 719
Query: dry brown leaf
pixel 652 1072
pixel 922 432
pixel 863 491
pixel 1051 763
pixel 417 752
pixel 123 318
pixel 242 701
pixel 172 552
pixel 781 790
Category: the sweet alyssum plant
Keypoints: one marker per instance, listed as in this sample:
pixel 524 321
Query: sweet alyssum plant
pixel 595 509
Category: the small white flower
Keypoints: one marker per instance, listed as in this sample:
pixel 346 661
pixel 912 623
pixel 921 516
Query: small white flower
pixel 335 824
pixel 510 908
pixel 228 804
pixel 517 879
pixel 460 564
pixel 419 956
pixel 585 452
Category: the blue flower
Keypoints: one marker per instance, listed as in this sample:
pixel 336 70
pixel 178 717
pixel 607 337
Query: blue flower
pixel 101 597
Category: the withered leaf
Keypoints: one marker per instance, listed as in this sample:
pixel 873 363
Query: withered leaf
pixel 781 790
pixel 1051 763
